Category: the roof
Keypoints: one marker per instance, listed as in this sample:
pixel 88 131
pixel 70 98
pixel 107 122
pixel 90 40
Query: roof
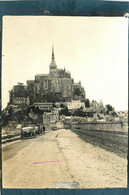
pixel 41 75
pixel 32 81
pixel 76 83
pixel 43 103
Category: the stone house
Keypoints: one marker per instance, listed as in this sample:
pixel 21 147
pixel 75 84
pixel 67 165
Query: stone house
pixel 50 119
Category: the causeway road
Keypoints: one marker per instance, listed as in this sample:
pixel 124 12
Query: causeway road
pixel 61 159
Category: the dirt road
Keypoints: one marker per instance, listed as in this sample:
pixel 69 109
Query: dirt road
pixel 61 159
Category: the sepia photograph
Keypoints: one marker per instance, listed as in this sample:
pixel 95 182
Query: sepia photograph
pixel 64 102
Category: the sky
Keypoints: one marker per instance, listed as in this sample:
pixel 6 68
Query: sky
pixel 93 49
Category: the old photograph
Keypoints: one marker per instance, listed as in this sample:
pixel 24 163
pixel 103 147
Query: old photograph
pixel 64 102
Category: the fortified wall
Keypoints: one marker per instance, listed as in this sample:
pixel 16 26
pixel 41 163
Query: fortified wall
pixel 122 127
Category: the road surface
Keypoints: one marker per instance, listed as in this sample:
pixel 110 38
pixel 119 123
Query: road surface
pixel 116 142
pixel 60 159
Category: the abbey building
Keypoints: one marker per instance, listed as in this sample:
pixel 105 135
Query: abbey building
pixel 46 89
pixel 56 86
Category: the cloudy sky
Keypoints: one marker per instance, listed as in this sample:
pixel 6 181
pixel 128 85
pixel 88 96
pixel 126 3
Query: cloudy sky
pixel 93 49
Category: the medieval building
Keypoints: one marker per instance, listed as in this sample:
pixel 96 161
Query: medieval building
pixel 46 89
pixel 18 96
pixel 56 86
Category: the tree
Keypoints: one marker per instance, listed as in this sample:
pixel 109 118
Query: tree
pixel 87 103
pixel 109 108
pixel 114 113
pixel 65 111
pixel 62 106
pixel 79 113
pixel 77 92
pixel 54 105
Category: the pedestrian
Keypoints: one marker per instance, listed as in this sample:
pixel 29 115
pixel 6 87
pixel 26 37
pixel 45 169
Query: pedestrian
pixel 43 129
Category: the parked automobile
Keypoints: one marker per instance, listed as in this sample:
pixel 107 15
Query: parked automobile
pixel 29 131
pixel 54 128
pixel 38 129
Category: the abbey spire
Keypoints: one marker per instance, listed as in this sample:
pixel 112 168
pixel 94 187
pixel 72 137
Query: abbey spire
pixel 53 65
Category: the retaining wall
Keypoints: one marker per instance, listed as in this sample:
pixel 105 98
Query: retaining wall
pixel 123 127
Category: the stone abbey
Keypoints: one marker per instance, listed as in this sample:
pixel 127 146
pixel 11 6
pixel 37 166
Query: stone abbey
pixel 56 86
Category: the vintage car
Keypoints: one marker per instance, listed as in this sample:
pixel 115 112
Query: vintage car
pixel 38 129
pixel 29 131
pixel 54 128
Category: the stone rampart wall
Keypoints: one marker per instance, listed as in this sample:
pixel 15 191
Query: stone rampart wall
pixel 123 127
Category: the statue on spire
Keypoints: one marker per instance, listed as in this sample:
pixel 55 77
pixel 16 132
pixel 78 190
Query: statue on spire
pixel 53 57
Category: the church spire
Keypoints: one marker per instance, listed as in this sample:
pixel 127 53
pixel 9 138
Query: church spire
pixel 53 65
pixel 53 57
